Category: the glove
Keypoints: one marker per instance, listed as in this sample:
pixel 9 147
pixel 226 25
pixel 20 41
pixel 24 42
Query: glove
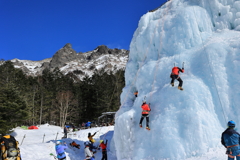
pixel 98 148
pixel 106 140
pixel 182 70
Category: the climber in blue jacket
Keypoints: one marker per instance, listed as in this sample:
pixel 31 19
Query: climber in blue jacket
pixel 60 148
pixel 230 140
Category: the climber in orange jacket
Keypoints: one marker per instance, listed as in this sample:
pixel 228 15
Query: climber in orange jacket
pixel 145 113
pixel 175 75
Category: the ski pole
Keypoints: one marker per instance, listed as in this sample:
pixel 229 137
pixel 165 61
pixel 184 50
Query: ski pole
pixel 183 65
pixel 43 138
pixel 56 136
pixel 23 138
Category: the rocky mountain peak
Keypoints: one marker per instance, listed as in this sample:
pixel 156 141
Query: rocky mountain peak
pixel 68 45
pixel 102 49
pixel 80 64
pixel 63 56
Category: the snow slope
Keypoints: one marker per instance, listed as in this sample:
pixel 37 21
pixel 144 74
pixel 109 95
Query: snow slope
pixel 39 143
pixel 33 146
pixel 184 124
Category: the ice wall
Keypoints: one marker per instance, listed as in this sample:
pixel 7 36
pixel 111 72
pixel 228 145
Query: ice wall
pixel 205 36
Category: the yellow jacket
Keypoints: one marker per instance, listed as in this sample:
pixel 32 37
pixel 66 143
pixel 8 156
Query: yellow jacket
pixel 91 138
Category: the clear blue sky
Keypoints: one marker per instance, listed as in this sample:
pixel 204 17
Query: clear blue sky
pixel 36 29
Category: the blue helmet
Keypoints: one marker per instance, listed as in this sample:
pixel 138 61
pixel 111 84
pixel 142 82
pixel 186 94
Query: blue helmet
pixel 231 124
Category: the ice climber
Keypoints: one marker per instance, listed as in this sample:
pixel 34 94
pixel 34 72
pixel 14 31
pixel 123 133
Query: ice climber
pixel 88 154
pixel 230 140
pixel 145 114
pixel 91 140
pixel 104 149
pixel 60 148
pixel 175 75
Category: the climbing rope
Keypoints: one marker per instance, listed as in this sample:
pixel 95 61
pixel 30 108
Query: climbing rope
pixel 214 81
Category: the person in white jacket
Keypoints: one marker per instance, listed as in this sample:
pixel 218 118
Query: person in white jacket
pixel 88 154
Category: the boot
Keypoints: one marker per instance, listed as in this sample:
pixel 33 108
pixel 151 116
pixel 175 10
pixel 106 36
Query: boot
pixel 140 125
pixel 172 84
pixel 148 128
pixel 180 88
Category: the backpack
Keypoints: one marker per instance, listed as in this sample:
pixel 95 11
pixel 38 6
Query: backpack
pixel 9 148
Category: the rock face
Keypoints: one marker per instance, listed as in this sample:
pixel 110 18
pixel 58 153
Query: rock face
pixel 63 56
pixel 80 64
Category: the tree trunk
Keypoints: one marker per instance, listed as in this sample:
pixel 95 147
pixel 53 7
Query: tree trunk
pixel 40 121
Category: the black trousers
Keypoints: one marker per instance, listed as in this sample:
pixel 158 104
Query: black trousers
pixel 178 78
pixel 147 119
pixel 104 155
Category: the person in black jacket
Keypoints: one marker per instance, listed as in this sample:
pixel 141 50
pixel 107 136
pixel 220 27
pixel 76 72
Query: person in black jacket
pixel 230 140
pixel 65 130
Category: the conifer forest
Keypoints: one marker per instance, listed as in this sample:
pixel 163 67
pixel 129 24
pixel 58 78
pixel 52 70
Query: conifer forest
pixel 55 98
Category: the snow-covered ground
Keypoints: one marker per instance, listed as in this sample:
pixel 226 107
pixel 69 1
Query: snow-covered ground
pixel 39 143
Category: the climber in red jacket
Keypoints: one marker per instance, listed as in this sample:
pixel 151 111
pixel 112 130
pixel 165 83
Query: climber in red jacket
pixel 175 75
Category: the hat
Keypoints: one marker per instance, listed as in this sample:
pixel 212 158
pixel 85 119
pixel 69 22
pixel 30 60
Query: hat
pixel 59 142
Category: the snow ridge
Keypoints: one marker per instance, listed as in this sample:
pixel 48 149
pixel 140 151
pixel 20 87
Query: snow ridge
pixel 80 64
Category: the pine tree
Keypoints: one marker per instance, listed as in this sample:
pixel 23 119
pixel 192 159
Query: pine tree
pixel 12 109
